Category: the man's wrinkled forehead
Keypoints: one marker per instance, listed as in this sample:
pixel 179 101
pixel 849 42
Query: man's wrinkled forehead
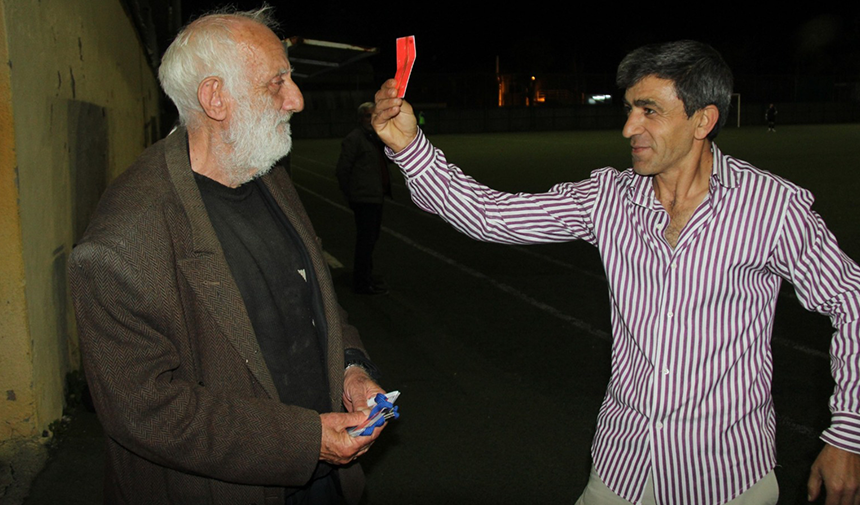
pixel 256 38
pixel 262 51
pixel 641 95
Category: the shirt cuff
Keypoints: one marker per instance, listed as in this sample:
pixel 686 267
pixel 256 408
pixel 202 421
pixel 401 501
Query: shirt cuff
pixel 844 432
pixel 354 356
pixel 415 157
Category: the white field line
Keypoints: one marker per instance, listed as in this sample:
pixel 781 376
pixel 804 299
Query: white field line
pixel 588 328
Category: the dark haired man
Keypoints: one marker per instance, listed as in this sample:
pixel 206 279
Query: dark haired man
pixel 695 244
pixel 219 359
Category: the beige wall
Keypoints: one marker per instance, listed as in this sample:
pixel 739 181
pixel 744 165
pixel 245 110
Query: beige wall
pixel 16 398
pixel 82 103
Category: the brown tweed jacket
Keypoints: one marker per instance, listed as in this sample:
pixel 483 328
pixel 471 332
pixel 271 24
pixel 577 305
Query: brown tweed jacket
pixel 190 412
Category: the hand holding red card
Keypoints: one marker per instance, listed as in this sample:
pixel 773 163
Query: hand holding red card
pixel 405 60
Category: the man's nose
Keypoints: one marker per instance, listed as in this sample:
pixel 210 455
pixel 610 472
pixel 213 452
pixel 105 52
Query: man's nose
pixel 293 99
pixel 632 126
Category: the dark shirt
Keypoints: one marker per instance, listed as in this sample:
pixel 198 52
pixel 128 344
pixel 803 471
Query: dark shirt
pixel 273 272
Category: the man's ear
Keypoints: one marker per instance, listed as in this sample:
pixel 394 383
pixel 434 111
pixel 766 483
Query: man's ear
pixel 211 96
pixel 707 119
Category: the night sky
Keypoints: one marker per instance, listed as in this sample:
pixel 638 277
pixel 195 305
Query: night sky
pixel 537 37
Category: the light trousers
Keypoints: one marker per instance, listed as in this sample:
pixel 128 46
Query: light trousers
pixel 763 492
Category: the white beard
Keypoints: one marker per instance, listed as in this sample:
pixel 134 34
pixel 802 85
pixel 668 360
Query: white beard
pixel 259 136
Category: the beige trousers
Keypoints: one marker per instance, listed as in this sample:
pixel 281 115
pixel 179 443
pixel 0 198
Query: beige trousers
pixel 763 492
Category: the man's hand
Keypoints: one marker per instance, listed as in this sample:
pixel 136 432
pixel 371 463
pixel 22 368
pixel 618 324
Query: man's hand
pixel 358 387
pixel 393 118
pixel 337 447
pixel 840 472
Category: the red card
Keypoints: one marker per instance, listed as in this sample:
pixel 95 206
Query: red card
pixel 405 60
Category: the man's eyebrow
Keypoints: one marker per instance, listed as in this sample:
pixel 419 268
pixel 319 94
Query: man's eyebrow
pixel 282 72
pixel 643 102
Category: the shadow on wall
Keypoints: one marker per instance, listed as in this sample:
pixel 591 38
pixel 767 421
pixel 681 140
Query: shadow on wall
pixel 88 173
pixel 88 161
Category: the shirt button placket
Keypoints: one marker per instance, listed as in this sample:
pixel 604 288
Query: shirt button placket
pixel 662 372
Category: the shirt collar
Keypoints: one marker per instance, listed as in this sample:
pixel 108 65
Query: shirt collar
pixel 723 173
pixel 641 190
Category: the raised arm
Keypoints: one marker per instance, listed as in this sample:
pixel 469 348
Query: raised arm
pixel 439 187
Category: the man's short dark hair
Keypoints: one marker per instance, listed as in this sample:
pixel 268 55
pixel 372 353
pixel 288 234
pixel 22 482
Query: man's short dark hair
pixel 700 75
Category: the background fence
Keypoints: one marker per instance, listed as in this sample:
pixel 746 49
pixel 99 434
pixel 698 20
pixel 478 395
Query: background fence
pixel 317 123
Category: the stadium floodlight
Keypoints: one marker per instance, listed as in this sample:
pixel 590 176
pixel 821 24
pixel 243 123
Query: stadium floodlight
pixel 595 99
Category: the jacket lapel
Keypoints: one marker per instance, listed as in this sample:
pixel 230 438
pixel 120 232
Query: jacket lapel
pixel 206 270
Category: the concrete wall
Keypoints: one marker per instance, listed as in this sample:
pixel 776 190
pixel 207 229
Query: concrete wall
pixel 78 103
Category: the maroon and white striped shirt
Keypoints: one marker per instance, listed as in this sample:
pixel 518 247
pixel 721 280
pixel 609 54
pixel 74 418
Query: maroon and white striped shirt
pixel 689 395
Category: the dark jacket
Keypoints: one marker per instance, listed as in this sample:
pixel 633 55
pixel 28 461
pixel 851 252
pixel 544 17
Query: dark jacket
pixel 188 406
pixel 359 168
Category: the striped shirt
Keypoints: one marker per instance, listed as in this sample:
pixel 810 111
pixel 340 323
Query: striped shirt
pixel 689 394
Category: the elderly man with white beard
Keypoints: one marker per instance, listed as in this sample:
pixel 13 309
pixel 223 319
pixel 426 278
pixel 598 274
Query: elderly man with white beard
pixel 222 367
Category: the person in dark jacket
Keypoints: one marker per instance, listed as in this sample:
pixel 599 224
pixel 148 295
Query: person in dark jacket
pixel 362 172
pixel 770 117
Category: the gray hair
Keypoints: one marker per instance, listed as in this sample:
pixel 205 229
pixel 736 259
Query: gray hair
pixel 207 47
pixel 700 75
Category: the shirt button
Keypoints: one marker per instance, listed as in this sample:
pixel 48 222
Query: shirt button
pixel 659 425
pixel 670 314
pixel 665 371
pixel 674 266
